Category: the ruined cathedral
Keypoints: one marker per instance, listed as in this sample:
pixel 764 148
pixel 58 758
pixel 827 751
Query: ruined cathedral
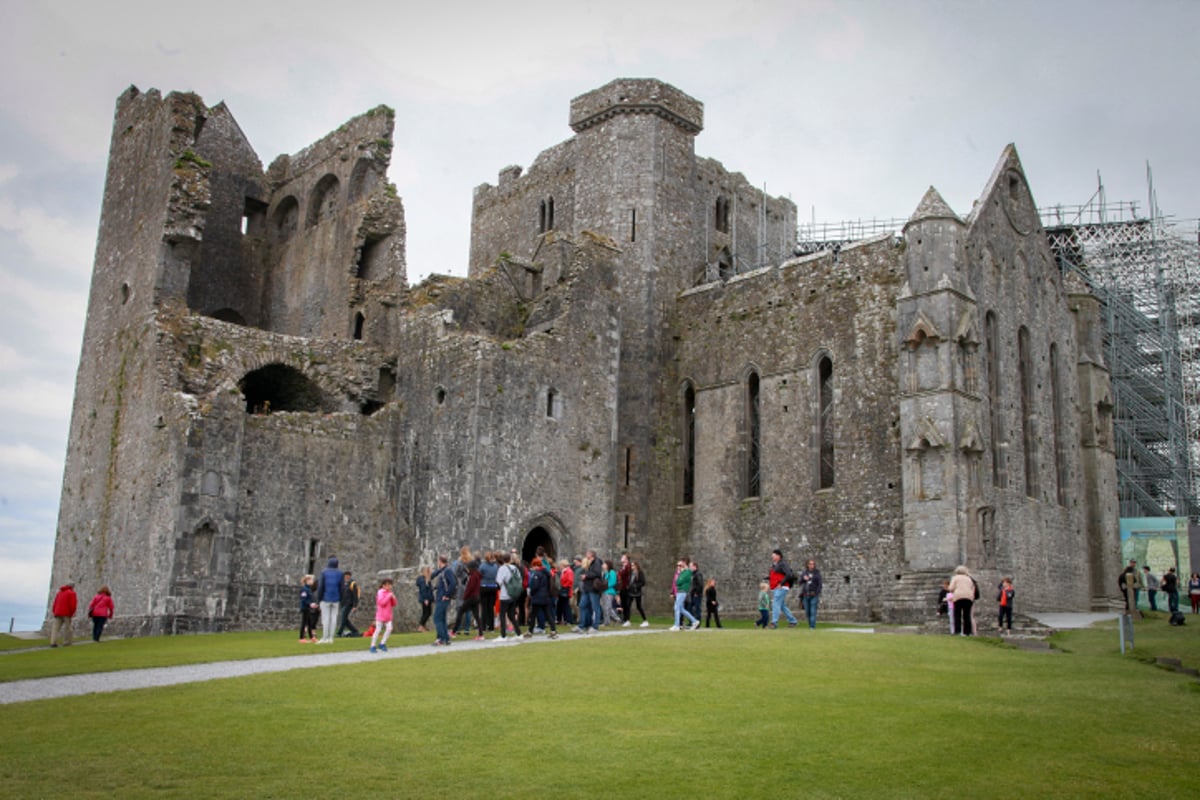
pixel 640 360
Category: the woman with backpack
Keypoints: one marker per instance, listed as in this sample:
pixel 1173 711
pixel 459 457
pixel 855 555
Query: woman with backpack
pixel 510 581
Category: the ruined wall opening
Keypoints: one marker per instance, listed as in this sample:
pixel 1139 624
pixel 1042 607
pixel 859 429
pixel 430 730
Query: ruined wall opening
pixel 360 322
pixel 278 387
pixel 228 315
pixel 363 179
pixel 725 264
pixel 323 202
pixel 254 217
pixel 546 215
pixel 553 403
pixel 721 215
pixel 371 259
pixel 285 219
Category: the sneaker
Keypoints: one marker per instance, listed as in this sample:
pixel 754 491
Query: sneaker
pixel 645 624
pixel 479 638
pixel 577 629
pixel 374 649
pixel 528 634
pixel 695 624
pixel 674 627
pixel 625 624
pixel 383 648
pixel 553 635
pixel 793 624
pixel 772 626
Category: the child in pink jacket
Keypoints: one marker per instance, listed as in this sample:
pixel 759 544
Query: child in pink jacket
pixel 385 602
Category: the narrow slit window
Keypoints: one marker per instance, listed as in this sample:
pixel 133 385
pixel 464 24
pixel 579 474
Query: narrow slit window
pixel 689 445
pixel 825 422
pixel 753 437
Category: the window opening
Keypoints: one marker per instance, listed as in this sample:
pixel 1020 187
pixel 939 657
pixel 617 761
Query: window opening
pixel 278 387
pixel 1060 450
pixel 285 219
pixel 553 403
pixel 721 221
pixel 991 334
pixel 359 322
pixel 754 434
pixel 825 420
pixel 369 258
pixel 689 445
pixel 314 547
pixel 322 201
pixel 633 224
pixel 1029 440
pixel 725 264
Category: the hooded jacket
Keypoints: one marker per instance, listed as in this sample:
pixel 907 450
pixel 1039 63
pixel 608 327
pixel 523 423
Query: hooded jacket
pixel 329 585
pixel 65 602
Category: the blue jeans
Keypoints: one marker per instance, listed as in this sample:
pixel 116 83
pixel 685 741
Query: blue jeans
pixel 439 620
pixel 680 602
pixel 778 604
pixel 589 610
pixel 810 609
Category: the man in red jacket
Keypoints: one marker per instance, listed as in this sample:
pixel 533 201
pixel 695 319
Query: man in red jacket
pixel 63 609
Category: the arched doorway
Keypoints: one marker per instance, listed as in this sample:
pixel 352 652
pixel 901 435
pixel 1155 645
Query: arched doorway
pixel 537 537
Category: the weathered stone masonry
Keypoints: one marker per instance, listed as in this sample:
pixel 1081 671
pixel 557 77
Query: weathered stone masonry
pixel 635 362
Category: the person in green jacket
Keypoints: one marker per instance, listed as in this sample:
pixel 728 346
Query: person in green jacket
pixel 683 585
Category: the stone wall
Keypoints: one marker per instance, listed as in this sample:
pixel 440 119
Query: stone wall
pixel 778 322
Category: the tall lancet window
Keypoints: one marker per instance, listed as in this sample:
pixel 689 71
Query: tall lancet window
pixel 825 421
pixel 753 437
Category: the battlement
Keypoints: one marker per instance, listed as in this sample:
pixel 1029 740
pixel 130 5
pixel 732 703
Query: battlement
pixel 637 96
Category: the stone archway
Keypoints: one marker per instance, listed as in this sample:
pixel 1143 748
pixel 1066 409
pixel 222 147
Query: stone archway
pixel 537 537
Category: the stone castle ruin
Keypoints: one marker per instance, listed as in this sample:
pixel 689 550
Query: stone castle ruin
pixel 638 361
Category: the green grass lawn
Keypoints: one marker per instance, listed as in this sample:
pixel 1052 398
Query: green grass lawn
pixel 738 713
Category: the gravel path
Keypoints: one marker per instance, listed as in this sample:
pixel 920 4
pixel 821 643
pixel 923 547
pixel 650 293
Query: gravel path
pixel 122 680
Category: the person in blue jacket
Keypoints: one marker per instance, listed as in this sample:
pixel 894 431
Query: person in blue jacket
pixel 329 594
pixel 445 586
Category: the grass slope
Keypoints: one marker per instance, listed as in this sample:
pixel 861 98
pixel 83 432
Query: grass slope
pixel 738 713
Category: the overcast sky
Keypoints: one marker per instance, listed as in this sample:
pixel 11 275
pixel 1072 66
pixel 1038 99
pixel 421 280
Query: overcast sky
pixel 852 109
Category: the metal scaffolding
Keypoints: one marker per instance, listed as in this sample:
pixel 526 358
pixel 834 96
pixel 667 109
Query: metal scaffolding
pixel 1144 267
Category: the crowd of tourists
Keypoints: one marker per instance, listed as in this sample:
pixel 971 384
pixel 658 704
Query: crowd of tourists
pixel 496 592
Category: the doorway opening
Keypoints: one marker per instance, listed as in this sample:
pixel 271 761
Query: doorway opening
pixel 538 537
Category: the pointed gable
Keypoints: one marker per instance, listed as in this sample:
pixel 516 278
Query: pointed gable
pixel 932 206
pixel 1008 188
